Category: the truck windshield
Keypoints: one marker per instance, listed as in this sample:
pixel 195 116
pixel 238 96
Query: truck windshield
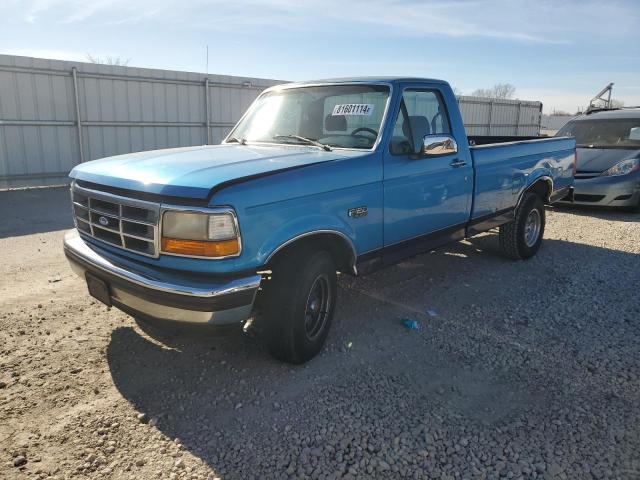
pixel 342 116
pixel 600 133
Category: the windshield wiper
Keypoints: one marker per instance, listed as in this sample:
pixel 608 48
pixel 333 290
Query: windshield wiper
pixel 241 141
pixel 306 140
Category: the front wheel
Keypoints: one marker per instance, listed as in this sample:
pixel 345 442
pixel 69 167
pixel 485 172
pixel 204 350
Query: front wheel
pixel 299 303
pixel 521 239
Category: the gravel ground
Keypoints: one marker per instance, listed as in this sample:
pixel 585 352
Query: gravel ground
pixel 518 369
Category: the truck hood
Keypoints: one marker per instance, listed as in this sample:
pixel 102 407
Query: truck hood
pixel 600 159
pixel 192 172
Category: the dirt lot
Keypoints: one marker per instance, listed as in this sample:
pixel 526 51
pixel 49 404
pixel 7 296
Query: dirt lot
pixel 519 369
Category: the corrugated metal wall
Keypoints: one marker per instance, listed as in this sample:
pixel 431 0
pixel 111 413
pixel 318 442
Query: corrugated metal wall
pixel 550 124
pixel 52 118
pixel 491 116
pixel 121 110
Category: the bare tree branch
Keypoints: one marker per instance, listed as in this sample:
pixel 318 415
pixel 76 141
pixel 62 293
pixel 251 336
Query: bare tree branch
pixel 499 90
pixel 615 103
pixel 108 60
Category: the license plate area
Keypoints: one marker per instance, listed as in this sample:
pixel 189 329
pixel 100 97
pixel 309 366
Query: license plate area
pixel 98 289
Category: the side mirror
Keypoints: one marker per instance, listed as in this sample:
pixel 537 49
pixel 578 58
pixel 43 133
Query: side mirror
pixel 435 145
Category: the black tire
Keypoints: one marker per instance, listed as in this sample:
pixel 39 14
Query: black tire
pixel 516 239
pixel 290 331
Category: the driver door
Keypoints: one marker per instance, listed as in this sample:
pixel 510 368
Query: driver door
pixel 426 198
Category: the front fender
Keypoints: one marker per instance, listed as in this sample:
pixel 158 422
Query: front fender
pixel 302 227
pixel 276 209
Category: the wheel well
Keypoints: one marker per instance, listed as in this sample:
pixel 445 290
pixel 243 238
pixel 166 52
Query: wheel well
pixel 339 247
pixel 541 187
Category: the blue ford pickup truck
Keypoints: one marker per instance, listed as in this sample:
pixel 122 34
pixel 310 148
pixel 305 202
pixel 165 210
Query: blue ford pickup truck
pixel 345 175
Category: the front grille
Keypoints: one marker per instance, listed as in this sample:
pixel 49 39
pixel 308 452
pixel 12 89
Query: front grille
pixel 581 197
pixel 119 221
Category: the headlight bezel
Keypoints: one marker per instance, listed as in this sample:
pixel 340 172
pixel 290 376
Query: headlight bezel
pixel 207 212
pixel 614 170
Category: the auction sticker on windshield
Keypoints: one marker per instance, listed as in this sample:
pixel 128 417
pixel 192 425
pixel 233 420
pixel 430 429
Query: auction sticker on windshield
pixel 353 109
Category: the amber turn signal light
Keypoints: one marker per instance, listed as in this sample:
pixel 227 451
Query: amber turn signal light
pixel 200 248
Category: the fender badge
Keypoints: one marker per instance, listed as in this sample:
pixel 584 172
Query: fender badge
pixel 358 212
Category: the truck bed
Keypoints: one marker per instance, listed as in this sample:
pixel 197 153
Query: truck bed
pixel 476 140
pixel 503 170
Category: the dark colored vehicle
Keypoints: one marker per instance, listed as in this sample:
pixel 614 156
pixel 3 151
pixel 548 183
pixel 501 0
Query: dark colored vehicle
pixel 608 158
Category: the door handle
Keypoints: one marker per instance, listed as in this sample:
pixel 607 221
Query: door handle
pixel 458 163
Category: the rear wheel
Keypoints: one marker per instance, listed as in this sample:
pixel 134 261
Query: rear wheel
pixel 298 304
pixel 521 239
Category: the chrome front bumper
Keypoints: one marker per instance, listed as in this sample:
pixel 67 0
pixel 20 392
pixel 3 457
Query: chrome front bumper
pixel 164 295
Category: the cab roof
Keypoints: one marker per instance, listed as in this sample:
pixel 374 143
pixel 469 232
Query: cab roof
pixel 390 80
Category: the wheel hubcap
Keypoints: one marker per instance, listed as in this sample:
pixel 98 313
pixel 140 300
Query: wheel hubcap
pixel 532 228
pixel 318 306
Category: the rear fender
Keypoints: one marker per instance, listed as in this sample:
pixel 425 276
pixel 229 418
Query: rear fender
pixel 539 181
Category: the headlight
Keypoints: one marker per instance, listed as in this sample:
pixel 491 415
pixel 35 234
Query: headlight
pixel 200 234
pixel 623 168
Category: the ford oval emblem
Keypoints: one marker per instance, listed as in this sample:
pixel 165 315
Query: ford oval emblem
pixel 104 221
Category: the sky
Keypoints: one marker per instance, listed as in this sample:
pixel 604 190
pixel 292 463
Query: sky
pixel 558 52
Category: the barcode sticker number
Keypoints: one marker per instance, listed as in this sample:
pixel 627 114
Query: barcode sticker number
pixel 353 109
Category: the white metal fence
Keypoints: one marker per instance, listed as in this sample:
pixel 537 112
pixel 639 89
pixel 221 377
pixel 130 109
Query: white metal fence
pixel 550 124
pixel 500 117
pixel 55 114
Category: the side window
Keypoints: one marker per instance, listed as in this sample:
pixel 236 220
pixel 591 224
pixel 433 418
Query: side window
pixel 422 113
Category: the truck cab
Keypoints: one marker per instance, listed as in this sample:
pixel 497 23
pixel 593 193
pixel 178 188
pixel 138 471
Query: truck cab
pixel 342 175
